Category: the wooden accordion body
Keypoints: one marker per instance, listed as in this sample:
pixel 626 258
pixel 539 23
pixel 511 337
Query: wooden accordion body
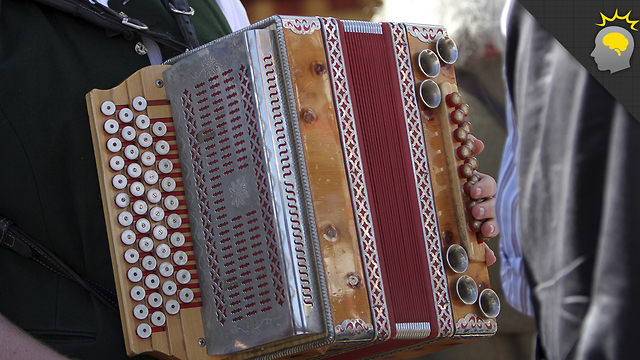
pixel 293 190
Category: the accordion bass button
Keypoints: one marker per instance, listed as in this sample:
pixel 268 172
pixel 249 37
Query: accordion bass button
pixel 172 307
pixel 125 218
pixel 156 213
pixel 163 251
pixel 183 277
pixel 117 163
pixel 460 134
pixel 144 331
pixel 122 200
pixel 457 116
pixel 145 140
pixel 143 122
pixel 169 288
pixel 429 63
pixel 165 166
pixel 174 221
pixel 131 152
pixel 134 274
pixel 148 158
pixel 141 312
pixel 131 256
pixel 158 318
pixel 186 295
pixel 139 103
pixel 114 145
pixel 171 202
pixel 134 170
pixel 119 181
pixel 168 184
pixel 111 126
pixel 467 290
pixel 177 239
pixel 162 147
pixel 143 226
pixel 430 94
pixel 447 50
pixel 128 133
pixel 160 232
pixel 454 100
pixel 151 177
pixel 149 263
pixel 465 171
pixel 154 300
pixel 180 258
pixel 137 293
pixel 154 196
pixel 457 258
pixel 152 281
pixel 125 115
pixel 108 108
pixel 159 129
pixel 465 109
pixel 140 207
pixel 489 303
pixel 128 237
pixel 136 189
pixel 145 244
pixel 166 269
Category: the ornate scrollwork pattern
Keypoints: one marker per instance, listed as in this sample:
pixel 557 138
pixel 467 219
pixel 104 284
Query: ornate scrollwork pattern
pixel 301 26
pixel 426 34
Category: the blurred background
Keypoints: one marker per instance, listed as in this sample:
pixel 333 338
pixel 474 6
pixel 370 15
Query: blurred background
pixel 475 26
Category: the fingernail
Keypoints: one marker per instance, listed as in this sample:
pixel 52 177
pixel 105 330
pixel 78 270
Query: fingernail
pixel 480 212
pixel 477 193
pixel 492 229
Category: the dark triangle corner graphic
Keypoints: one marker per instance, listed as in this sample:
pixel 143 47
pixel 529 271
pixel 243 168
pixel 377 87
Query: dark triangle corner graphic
pixel 575 25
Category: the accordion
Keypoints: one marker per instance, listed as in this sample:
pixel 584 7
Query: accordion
pixel 294 189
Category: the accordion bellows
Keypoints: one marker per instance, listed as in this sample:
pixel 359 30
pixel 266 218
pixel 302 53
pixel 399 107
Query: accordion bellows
pixel 294 189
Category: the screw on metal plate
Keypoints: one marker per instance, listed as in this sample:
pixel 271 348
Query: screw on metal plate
pixel 353 279
pixel 320 69
pixel 309 116
pixel 141 49
pixel 330 233
pixel 159 83
pixel 201 342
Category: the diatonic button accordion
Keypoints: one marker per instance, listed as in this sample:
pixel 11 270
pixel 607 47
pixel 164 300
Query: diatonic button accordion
pixel 295 189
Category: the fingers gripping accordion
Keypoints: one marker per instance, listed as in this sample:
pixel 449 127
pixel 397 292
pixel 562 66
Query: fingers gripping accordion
pixel 294 189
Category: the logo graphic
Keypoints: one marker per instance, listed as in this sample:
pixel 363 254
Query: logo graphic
pixel 614 44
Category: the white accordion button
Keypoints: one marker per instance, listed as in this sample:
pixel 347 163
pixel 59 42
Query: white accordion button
pixel 140 207
pixel 125 218
pixel 158 318
pixel 177 239
pixel 186 295
pixel 131 152
pixel 166 269
pixel 159 129
pixel 154 300
pixel 172 307
pixel 143 330
pixel 169 288
pixel 116 163
pixel 180 258
pixel 148 158
pixel 152 281
pixel 134 274
pixel 160 232
pixel 111 126
pixel 165 166
pixel 163 251
pixel 131 256
pixel 151 177
pixel 145 140
pixel 174 221
pixel 183 277
pixel 162 147
pixel 114 145
pixel 128 237
pixel 143 226
pixel 136 189
pixel 156 213
pixel 108 108
pixel 141 312
pixel 149 263
pixel 128 133
pixel 119 181
pixel 137 293
pixel 168 184
pixel 122 200
pixel 171 202
pixel 145 244
pixel 143 122
pixel 154 196
pixel 125 115
pixel 134 170
pixel 139 103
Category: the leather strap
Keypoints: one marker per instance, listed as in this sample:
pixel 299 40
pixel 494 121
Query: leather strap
pixel 183 12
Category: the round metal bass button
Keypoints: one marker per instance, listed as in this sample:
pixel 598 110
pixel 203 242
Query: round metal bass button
pixel 171 202
pixel 128 133
pixel 186 295
pixel 134 274
pixel 152 281
pixel 125 115
pixel 117 163
pixel 162 147
pixel 183 277
pixel 143 122
pixel 131 152
pixel 166 269
pixel 168 184
pixel 137 293
pixel 154 196
pixel 141 312
pixel 108 108
pixel 145 140
pixel 172 307
pixel 169 288
pixel 154 300
pixel 114 145
pixel 159 129
pixel 149 263
pixel 119 181
pixel 177 239
pixel 111 126
pixel 148 158
pixel 158 318
pixel 128 237
pixel 139 103
pixel 125 218
pixel 143 330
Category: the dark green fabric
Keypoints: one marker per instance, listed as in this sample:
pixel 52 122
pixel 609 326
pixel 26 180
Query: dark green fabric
pixel 49 186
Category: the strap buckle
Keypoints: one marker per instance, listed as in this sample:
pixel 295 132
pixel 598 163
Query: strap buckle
pixel 189 12
pixel 130 23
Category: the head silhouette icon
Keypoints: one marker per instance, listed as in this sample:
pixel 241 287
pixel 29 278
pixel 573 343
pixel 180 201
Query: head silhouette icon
pixel 614 46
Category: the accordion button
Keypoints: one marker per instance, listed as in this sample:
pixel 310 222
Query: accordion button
pixel 159 129
pixel 154 196
pixel 139 103
pixel 454 99
pixel 125 115
pixel 183 277
pixel 475 225
pixel 177 239
pixel 143 122
pixel 136 189
pixel 111 126
pixel 134 170
pixel 457 116
pixel 180 258
pixel 149 263
pixel 134 274
pixel 174 221
pixel 140 207
pixel 141 312
pixel 114 145
pixel 160 232
pixel 447 50
pixel 154 300
pixel 168 184
pixel 467 126
pixel 108 108
pixel 430 94
pixel 166 269
pixel 125 218
pixel 131 256
pixel 429 63
pixel 119 182
pixel 122 200
pixel 465 109
pixel 158 318
pixel 163 251
pixel 143 226
pixel 128 237
pixel 463 152
pixel 145 140
pixel 151 177
pixel 128 133
pixel 457 258
pixel 144 331
pixel 186 295
pixel 467 289
pixel 162 147
pixel 460 134
pixel 137 293
pixel 465 171
pixel 152 281
pixel 171 202
pixel 131 152
pixel 116 163
pixel 165 166
pixel 473 162
pixel 148 158
pixel 172 307
pixel 470 144
pixel 169 288
pixel 145 244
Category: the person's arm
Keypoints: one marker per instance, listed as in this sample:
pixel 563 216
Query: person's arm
pixel 18 345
